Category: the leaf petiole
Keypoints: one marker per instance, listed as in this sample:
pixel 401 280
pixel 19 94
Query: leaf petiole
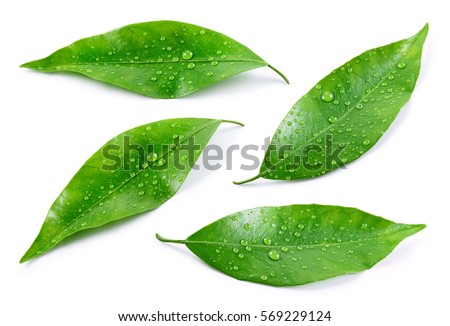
pixel 247 180
pixel 162 239
pixel 235 122
pixel 279 73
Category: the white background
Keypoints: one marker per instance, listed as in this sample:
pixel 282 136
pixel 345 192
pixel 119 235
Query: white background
pixel 51 123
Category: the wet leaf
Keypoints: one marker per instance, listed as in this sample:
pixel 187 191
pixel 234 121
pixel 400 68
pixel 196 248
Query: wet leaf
pixel 161 59
pixel 134 172
pixel 345 114
pixel 298 244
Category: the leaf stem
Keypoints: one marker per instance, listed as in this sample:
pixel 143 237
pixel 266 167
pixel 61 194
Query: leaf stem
pixel 279 73
pixel 248 180
pixel 162 239
pixel 235 122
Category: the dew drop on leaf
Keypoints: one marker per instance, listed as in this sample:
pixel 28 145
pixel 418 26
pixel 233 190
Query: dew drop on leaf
pixel 187 55
pixel 332 119
pixel 161 162
pixel 327 96
pixel 274 255
pixel 152 157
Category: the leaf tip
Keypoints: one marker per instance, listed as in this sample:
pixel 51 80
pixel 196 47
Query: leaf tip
pixel 422 34
pixel 420 227
pixel 31 65
pixel 25 258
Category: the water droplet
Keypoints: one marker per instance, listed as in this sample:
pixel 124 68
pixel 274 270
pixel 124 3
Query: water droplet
pixel 267 241
pixel 187 55
pixel 332 119
pixel 214 63
pixel 86 198
pixel 202 32
pixel 284 249
pixel 347 103
pixel 274 255
pixel 153 78
pixel 161 162
pixel 152 157
pixel 209 73
pixel 366 142
pixel 235 268
pixel 305 267
pixel 241 256
pixel 264 277
pixel 318 86
pixel 401 65
pixel 244 243
pixel 327 96
pixel 110 53
pixel 191 65
pixel 301 226
pixel 247 226
pixel 359 106
pixel 140 193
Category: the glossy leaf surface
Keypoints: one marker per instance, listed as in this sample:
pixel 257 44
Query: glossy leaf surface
pixel 298 244
pixel 134 172
pixel 346 113
pixel 161 59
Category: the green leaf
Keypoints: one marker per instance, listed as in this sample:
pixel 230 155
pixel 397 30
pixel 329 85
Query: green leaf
pixel 134 172
pixel 345 114
pixel 298 244
pixel 161 59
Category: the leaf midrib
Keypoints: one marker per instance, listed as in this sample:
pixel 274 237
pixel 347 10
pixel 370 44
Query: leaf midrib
pixel 291 246
pixel 120 186
pixel 149 62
